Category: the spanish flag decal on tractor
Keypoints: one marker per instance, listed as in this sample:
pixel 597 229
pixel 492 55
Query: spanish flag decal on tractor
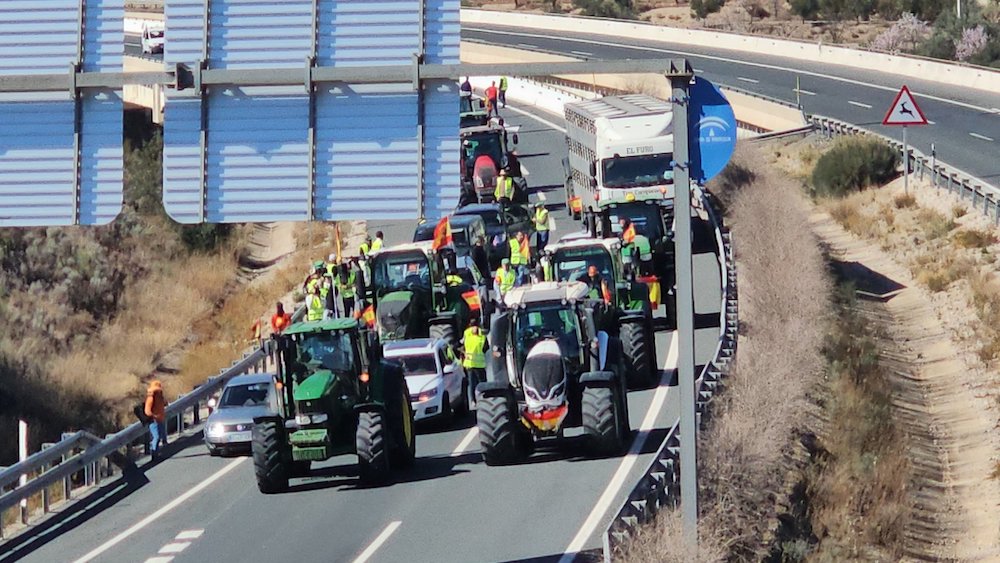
pixel 442 234
pixel 369 315
pixel 472 299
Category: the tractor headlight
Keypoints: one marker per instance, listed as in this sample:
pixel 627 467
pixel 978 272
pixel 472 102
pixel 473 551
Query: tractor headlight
pixel 319 418
pixel 303 419
pixel 216 430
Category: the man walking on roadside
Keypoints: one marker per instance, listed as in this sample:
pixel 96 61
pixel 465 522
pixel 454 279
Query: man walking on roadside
pixel 491 100
pixel 156 410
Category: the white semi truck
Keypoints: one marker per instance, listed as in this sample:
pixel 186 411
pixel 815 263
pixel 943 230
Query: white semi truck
pixel 620 165
pixel 620 149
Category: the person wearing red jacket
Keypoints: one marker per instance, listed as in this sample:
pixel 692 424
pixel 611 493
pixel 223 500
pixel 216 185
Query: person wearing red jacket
pixel 280 320
pixel 156 410
pixel 491 99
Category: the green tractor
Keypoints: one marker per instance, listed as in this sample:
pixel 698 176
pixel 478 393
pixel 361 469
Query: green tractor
pixel 412 298
pixel 334 395
pixel 628 314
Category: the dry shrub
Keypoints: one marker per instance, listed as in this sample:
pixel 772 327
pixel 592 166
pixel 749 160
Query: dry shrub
pixel 935 225
pixel 958 210
pixel 779 360
pixel 904 201
pixel 973 238
pixel 937 271
pixel 849 214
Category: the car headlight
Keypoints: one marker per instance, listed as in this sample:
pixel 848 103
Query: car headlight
pixel 215 430
pixel 427 395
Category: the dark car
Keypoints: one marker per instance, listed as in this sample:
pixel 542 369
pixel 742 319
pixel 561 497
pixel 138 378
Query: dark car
pixel 501 221
pixel 464 231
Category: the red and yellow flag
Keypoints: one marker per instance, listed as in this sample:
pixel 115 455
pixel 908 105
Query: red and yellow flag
pixel 442 234
pixel 472 299
pixel 629 235
pixel 369 315
pixel 654 289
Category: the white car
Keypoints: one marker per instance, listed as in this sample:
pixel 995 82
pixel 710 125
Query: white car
pixel 438 385
pixel 152 38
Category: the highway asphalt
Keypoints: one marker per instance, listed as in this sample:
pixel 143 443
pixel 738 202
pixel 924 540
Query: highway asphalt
pixel 449 507
pixel 966 128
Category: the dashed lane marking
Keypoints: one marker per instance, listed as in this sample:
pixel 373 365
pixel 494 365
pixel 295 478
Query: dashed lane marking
pixel 981 137
pixel 750 80
pixel 174 547
pixel 160 559
pixel 377 543
pixel 190 534
pixel 801 91
pixel 466 441
pixel 859 104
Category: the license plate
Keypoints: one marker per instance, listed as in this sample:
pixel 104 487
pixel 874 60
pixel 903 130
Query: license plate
pixel 238 437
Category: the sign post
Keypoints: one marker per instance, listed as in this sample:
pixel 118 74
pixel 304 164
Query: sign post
pixel 22 454
pixel 904 111
pixel 705 115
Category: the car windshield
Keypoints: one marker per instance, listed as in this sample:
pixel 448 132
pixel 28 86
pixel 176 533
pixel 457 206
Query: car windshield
pixel 250 395
pixel 648 219
pixel 570 264
pixel 486 143
pixel 635 171
pixel 156 33
pixel 417 365
pixel 332 350
pixel 540 322
pixel 402 270
pixel 492 219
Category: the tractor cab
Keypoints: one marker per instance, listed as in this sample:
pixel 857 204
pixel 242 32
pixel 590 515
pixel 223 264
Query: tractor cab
pixel 471 111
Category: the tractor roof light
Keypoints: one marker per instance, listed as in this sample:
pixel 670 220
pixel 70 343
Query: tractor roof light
pixel 365 377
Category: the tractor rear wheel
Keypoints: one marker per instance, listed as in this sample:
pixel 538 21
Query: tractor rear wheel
pixel 404 440
pixel 638 349
pixel 270 460
pixel 370 439
pixel 602 413
pixel 443 329
pixel 499 435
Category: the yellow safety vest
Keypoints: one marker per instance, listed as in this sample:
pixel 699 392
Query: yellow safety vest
pixel 541 219
pixel 346 288
pixel 365 249
pixel 376 244
pixel 316 308
pixel 505 188
pixel 452 279
pixel 520 254
pixel 505 278
pixel 475 357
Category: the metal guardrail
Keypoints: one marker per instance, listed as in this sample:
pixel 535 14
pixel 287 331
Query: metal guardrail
pixel 659 485
pixel 96 458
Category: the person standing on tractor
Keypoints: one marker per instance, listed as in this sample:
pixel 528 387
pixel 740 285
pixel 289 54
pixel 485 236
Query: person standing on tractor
pixel 156 409
pixel 280 320
pixel 597 284
pixel 314 279
pixel 466 87
pixel 504 192
pixel 481 260
pixel 474 346
pixel 520 256
pixel 491 99
pixel 345 280
pixel 379 241
pixel 504 279
pixel 502 92
pixel 541 220
pixel 315 307
pixel 366 246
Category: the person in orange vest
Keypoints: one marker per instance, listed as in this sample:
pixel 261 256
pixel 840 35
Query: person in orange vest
pixel 280 320
pixel 491 99
pixel 156 410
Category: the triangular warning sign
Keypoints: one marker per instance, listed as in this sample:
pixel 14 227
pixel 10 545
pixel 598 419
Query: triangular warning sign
pixel 904 110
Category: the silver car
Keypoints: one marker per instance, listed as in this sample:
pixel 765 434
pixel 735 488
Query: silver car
pixel 229 427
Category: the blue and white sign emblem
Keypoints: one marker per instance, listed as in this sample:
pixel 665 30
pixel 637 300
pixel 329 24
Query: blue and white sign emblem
pixel 712 130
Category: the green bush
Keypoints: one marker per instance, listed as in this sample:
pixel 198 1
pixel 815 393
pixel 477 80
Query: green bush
pixel 701 8
pixel 852 164
pixel 617 9
pixel 204 237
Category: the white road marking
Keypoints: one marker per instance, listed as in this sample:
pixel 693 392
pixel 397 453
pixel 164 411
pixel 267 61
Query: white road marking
pixel 799 71
pixel 160 559
pixel 527 45
pixel 466 441
pixel 929 122
pixel 541 120
pixel 980 137
pixel 161 511
pixel 618 479
pixel 175 547
pixel 584 53
pixel 859 104
pixel 189 535
pixel 750 80
pixel 371 549
pixel 524 171
pixel 801 91
pixel 699 71
pixel 995 110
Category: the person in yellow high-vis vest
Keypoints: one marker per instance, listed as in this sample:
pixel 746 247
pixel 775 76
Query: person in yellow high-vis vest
pixel 520 256
pixel 474 347
pixel 541 221
pixel 504 278
pixel 504 192
pixel 315 306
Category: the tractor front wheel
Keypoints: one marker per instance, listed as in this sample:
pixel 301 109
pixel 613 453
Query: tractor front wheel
pixel 443 329
pixel 499 435
pixel 373 457
pixel 270 460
